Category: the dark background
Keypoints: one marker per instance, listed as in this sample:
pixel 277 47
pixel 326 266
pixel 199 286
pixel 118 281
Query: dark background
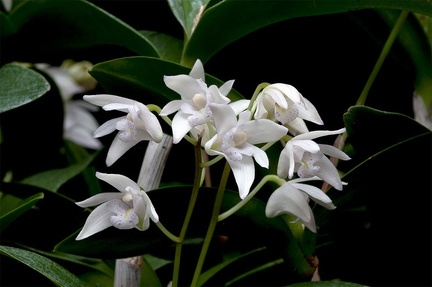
pixel 328 59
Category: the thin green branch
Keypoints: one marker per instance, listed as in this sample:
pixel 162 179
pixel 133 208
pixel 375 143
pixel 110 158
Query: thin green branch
pixel 192 201
pixel 212 225
pixel 386 49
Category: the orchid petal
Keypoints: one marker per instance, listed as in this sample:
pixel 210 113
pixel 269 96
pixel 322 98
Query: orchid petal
pixel 317 134
pixel 171 107
pixel 297 126
pixel 260 157
pixel 226 87
pixel 107 127
pixel 184 85
pixel 120 182
pixel 329 173
pixel 118 148
pixel 289 91
pixel 98 220
pixel 239 106
pixel 81 136
pixel 276 96
pixel 197 71
pixel 287 199
pixel 180 126
pixel 333 152
pixel 105 99
pixel 307 145
pixel 283 167
pixel 224 117
pixel 263 130
pixel 244 173
pixel 98 199
pixel 310 113
pixel 316 194
pixel 124 216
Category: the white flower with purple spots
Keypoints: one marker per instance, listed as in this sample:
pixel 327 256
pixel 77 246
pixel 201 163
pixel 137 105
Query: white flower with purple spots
pixel 304 156
pixel 138 125
pixel 293 198
pixel 192 109
pixel 284 103
pixel 127 209
pixel 236 140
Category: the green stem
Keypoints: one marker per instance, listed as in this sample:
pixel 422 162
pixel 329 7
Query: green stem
pixel 386 49
pixel 212 225
pixel 264 180
pixel 167 233
pixel 192 201
pixel 211 162
pixel 255 94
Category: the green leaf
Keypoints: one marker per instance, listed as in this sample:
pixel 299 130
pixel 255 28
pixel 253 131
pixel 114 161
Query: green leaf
pixel 148 274
pixel 224 22
pixel 18 210
pixel 388 189
pixel 53 271
pixel 139 77
pixel 78 24
pixel 52 180
pixel 188 13
pixel 19 86
pixel 7 27
pixel 371 131
pixel 168 47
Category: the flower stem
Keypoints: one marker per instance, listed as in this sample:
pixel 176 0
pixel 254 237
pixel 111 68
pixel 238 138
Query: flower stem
pixel 212 226
pixel 192 201
pixel 386 49
pixel 256 93
pixel 264 180
pixel 167 233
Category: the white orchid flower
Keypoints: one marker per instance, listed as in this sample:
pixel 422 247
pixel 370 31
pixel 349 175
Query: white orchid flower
pixel 139 124
pixel 127 209
pixel 236 139
pixel 72 78
pixel 304 156
pixel 285 104
pixel 192 109
pixel 293 198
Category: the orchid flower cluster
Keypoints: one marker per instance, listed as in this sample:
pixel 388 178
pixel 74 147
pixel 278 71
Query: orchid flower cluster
pixel 238 131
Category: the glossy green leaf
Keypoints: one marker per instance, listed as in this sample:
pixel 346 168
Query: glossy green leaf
pixel 52 180
pixel 388 189
pixel 141 78
pixel 168 47
pixel 148 274
pixel 48 268
pixel 19 86
pixel 224 22
pixel 187 13
pixel 78 24
pixel 371 131
pixel 16 211
pixel 91 263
